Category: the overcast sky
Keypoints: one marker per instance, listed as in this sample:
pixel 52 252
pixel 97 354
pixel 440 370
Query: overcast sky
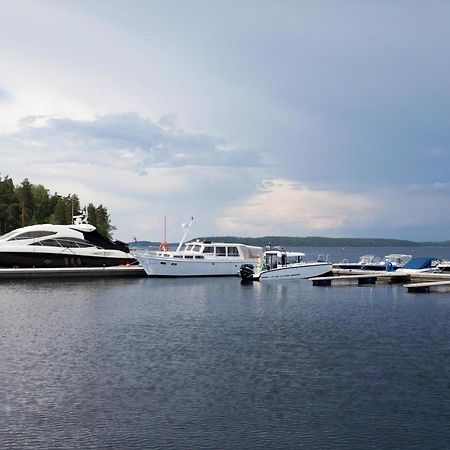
pixel 299 118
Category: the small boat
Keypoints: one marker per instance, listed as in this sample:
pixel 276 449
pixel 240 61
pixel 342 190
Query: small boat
pixel 57 246
pixel 443 266
pixel 389 263
pixel 421 264
pixel 280 264
pixel 199 258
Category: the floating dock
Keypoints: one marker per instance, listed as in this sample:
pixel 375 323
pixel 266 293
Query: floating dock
pixel 415 282
pixel 72 272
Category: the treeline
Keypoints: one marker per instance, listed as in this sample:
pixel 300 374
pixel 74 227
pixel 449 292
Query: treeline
pixel 317 241
pixel 30 204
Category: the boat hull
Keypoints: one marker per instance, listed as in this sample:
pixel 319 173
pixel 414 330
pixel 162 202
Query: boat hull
pixel 25 259
pixel 173 267
pixel 296 271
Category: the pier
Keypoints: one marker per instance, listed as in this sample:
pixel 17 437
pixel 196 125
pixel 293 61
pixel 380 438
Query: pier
pixel 414 282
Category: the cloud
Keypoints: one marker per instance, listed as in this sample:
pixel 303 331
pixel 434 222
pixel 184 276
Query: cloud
pixel 126 141
pixel 296 209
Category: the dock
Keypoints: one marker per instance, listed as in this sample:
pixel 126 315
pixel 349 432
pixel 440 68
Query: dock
pixel 72 272
pixel 414 282
pixel 429 286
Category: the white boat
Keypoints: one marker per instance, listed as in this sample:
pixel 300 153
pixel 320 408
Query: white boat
pixel 199 259
pixel 48 245
pixel 389 263
pixel 281 264
pixel 421 264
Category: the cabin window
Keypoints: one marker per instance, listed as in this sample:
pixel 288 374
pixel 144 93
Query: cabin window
pixel 22 236
pixel 51 243
pixel 188 256
pixel 38 234
pixel 189 248
pixel 196 248
pixel 67 244
pixel 208 249
pixel 221 251
pixel 233 251
pixel 199 257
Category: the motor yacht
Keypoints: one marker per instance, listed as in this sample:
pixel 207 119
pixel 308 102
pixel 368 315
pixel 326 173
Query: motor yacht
pixel 280 264
pixel 199 258
pixel 75 245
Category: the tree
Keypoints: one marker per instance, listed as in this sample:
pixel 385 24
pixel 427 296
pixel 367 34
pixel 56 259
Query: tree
pixel 9 207
pixel 41 201
pixel 25 197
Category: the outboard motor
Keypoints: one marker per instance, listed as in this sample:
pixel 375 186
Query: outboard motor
pixel 247 271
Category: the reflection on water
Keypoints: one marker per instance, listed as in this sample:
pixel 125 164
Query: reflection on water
pixel 212 363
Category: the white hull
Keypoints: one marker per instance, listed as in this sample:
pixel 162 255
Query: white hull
pixel 295 271
pixel 174 267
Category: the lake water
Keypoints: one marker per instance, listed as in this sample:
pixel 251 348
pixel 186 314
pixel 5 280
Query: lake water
pixel 213 364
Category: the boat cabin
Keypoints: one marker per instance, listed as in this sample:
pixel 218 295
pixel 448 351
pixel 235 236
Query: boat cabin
pixel 214 250
pixel 276 258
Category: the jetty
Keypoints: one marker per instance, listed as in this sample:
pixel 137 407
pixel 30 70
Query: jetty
pixel 414 282
pixel 72 272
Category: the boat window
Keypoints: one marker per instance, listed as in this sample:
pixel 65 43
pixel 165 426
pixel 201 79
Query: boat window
pixel 176 256
pixel 221 251
pixel 67 243
pixel 41 233
pixel 189 248
pixel 233 251
pixel 199 257
pixel 196 248
pixel 188 256
pixel 22 236
pixel 208 249
pixel 84 244
pixel 51 243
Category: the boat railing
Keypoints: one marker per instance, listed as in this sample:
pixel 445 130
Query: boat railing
pixel 326 258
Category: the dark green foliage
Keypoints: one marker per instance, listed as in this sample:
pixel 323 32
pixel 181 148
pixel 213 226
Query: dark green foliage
pixel 29 204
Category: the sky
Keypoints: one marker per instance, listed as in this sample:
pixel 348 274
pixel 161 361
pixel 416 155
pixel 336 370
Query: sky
pixel 255 117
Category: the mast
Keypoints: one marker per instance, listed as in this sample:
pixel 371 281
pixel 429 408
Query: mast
pixel 185 227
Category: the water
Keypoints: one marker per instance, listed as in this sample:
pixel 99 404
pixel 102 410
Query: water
pixel 213 364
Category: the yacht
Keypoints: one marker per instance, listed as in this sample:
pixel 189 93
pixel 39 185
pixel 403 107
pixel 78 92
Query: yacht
pixel 199 258
pixel 75 245
pixel 280 264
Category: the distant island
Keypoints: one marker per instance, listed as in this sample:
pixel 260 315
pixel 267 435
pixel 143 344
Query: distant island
pixel 310 241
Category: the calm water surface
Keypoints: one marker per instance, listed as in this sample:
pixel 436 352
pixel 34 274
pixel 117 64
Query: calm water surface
pixel 213 364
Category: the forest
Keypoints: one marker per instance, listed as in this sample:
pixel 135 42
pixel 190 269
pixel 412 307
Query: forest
pixel 29 204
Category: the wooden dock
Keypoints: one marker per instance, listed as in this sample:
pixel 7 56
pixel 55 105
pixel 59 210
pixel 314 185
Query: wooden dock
pixel 72 272
pixel 429 286
pixel 415 282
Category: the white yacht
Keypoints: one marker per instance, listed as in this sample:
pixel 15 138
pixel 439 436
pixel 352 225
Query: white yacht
pixel 281 264
pixel 48 245
pixel 199 258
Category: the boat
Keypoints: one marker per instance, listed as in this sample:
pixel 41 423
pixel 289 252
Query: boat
pixel 280 264
pixel 389 263
pixel 198 258
pixel 443 266
pixel 55 246
pixel 421 264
